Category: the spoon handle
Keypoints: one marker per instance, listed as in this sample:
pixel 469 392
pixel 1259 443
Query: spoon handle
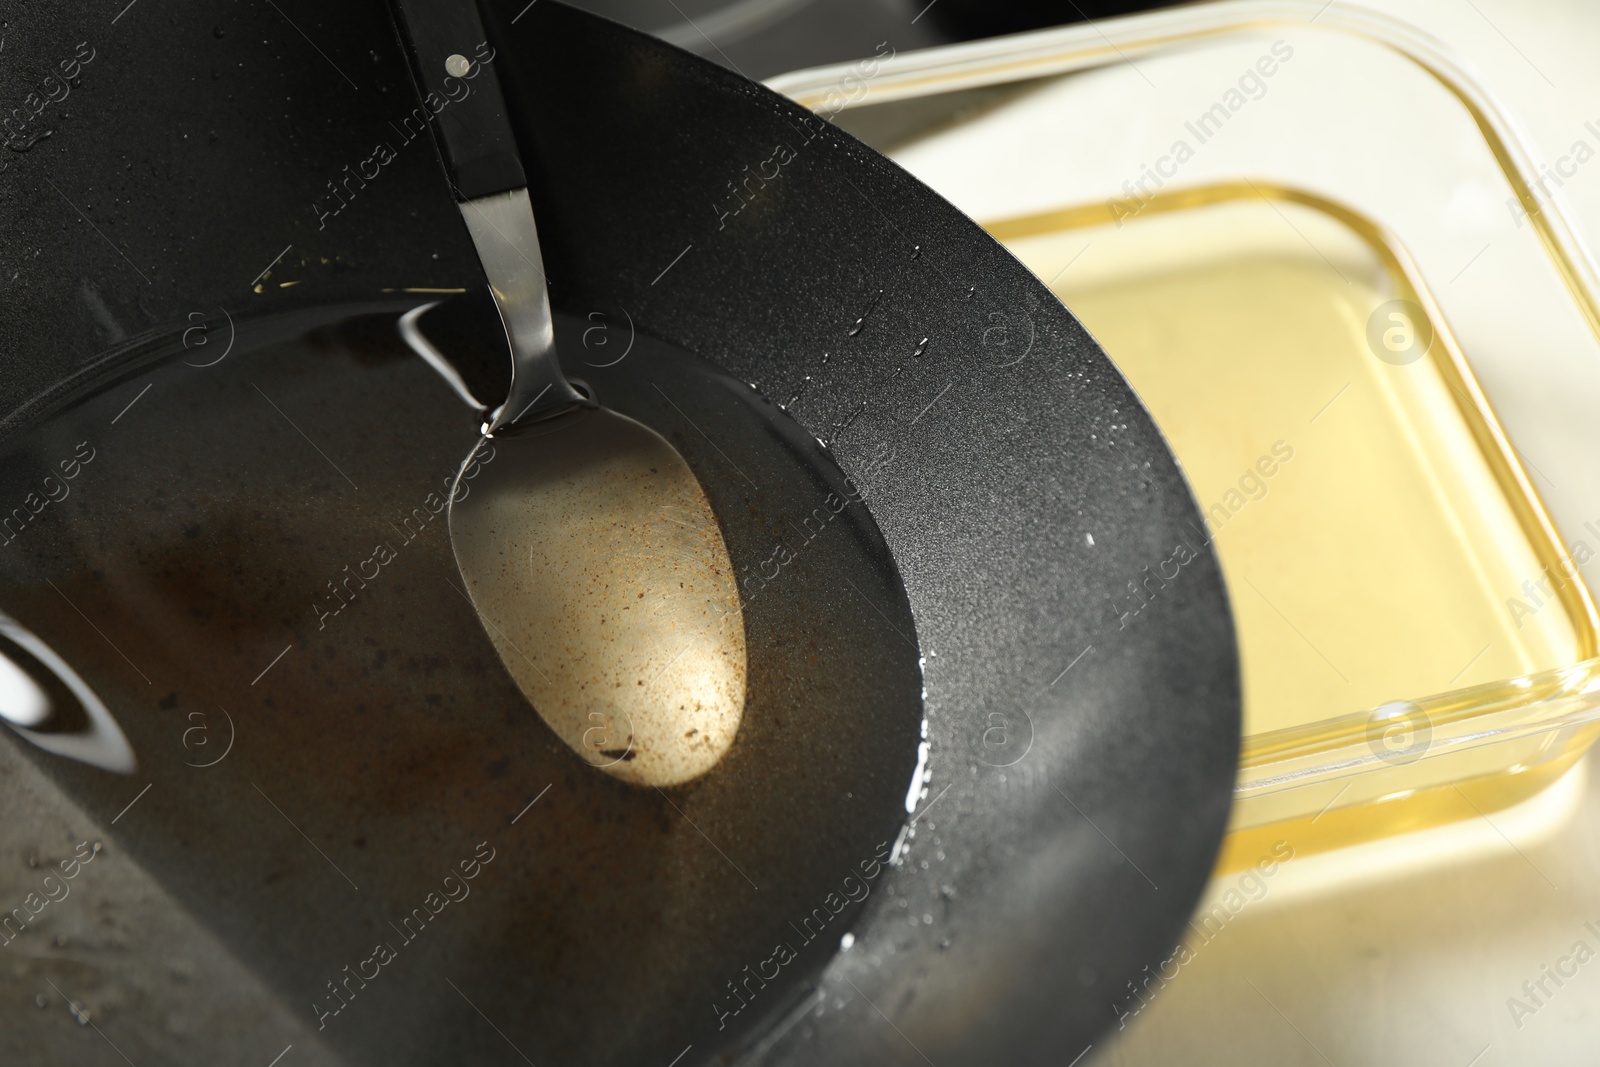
pixel 451 64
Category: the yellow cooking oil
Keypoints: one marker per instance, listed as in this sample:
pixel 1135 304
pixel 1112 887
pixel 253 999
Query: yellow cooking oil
pixel 1379 537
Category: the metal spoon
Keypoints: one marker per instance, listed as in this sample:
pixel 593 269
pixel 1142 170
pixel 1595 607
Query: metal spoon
pixel 585 542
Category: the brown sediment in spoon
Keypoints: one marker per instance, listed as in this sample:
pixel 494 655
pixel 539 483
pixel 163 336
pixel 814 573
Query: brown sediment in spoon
pixel 602 578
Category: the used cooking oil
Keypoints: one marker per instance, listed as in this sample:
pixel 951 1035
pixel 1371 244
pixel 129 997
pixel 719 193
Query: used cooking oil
pixel 248 579
pixel 1380 540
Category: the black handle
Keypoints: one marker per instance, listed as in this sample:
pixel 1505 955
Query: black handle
pixel 452 66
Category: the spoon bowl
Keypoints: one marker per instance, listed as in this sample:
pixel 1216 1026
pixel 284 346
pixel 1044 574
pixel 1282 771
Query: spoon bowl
pixel 599 571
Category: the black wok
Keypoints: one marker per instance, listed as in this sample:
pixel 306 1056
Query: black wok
pixel 1082 719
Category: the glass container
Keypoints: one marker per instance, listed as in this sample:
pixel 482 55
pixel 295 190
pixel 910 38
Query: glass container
pixel 1326 259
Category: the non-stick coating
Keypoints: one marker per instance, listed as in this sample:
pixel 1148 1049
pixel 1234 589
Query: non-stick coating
pixel 1033 510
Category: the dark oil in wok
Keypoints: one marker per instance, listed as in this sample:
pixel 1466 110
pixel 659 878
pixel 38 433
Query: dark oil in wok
pixel 259 547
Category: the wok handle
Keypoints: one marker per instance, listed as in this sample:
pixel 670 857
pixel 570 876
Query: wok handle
pixel 459 94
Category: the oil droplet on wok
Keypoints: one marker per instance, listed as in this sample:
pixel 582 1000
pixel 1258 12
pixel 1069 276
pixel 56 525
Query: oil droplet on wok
pixel 862 319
